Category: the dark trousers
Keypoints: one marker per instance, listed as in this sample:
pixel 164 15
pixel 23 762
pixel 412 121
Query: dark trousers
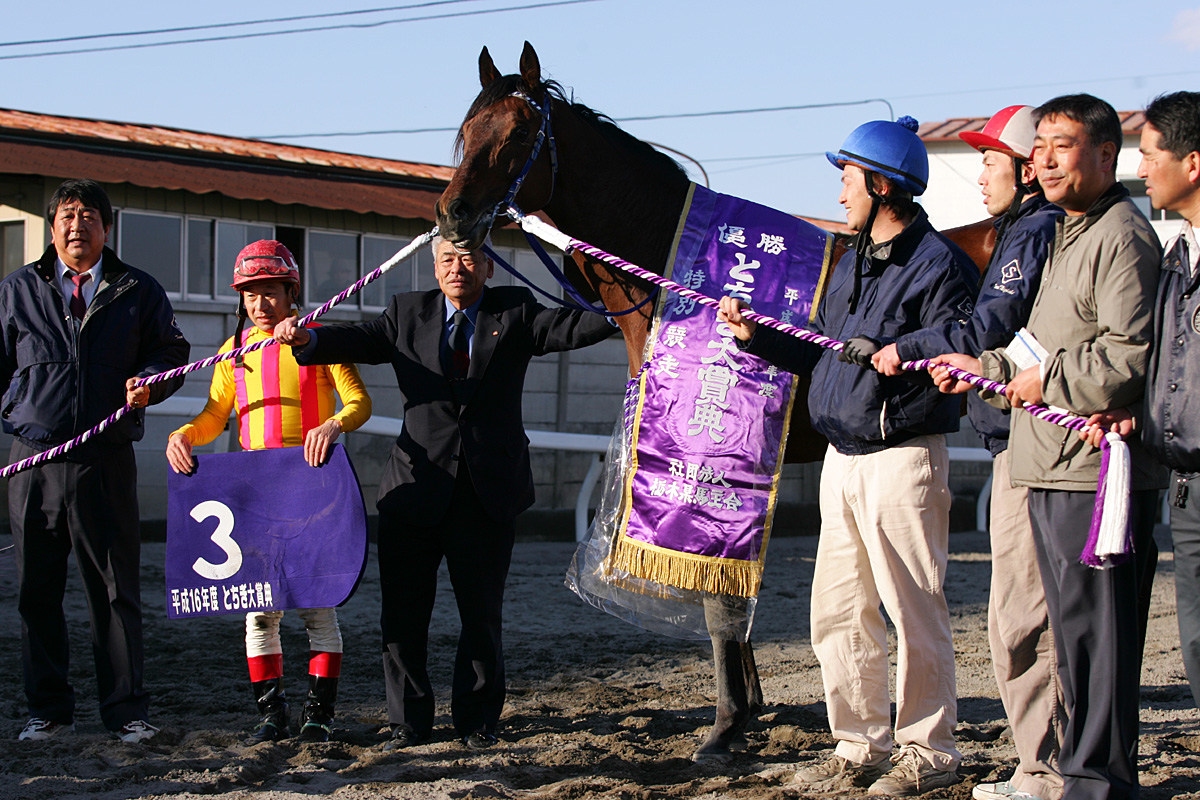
pixel 1185 532
pixel 1098 622
pixel 91 508
pixel 477 550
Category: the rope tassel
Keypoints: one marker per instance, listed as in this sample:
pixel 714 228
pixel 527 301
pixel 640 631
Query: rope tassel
pixel 1110 541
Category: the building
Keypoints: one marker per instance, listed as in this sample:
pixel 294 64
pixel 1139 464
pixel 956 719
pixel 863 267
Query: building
pixel 186 202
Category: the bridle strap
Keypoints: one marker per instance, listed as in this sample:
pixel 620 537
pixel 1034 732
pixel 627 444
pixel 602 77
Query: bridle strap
pixel 544 134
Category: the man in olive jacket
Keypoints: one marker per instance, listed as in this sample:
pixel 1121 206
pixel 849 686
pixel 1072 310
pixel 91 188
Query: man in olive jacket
pixel 1094 317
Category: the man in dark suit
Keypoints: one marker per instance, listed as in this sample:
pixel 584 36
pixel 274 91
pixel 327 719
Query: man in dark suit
pixel 458 474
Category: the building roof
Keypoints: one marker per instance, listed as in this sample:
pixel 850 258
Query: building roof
pixel 948 130
pixel 249 169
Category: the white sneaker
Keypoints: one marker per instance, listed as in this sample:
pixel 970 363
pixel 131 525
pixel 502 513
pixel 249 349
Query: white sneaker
pixel 39 730
pixel 137 731
pixel 993 791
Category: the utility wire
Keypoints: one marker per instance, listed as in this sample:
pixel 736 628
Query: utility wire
pixel 232 37
pixel 219 25
pixel 685 115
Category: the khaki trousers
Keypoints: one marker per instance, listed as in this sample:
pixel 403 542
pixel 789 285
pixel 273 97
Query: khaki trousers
pixel 1021 642
pixel 884 538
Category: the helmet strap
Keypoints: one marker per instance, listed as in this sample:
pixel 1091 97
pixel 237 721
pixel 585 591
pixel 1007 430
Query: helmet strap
pixel 242 316
pixel 1020 190
pixel 864 240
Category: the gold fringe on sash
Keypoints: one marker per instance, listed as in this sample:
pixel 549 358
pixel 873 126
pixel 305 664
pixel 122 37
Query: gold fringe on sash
pixel 685 570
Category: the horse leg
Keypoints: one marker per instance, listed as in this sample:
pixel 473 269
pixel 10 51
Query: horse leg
pixel 734 702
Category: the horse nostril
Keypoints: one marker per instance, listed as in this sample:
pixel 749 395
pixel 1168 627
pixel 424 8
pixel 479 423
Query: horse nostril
pixel 459 210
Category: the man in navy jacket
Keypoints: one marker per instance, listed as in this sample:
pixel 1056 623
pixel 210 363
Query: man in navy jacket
pixel 885 500
pixel 77 329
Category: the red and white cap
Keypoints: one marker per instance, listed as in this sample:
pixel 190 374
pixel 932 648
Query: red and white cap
pixel 1010 131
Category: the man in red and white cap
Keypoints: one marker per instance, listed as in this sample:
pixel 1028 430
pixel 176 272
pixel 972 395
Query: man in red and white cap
pixel 1018 623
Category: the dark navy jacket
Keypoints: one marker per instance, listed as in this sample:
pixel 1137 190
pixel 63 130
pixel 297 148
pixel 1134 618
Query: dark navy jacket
pixel 62 377
pixel 918 280
pixel 1002 307
pixel 1172 427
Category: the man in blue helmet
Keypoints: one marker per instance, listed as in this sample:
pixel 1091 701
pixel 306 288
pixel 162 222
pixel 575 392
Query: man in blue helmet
pixel 885 500
pixel 1018 623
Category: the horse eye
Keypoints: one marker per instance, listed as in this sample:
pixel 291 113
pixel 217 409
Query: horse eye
pixel 521 133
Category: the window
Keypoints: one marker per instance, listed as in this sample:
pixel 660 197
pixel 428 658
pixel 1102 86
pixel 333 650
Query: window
pixel 200 242
pixel 231 238
pixel 376 250
pixel 154 244
pixel 12 246
pixel 332 266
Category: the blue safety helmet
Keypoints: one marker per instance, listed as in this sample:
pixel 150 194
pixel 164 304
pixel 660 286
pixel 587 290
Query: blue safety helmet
pixel 892 149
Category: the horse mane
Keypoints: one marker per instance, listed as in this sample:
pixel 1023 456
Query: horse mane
pixel 508 85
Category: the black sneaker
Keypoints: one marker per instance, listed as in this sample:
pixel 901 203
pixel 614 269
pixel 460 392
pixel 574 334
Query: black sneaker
pixel 479 740
pixel 404 736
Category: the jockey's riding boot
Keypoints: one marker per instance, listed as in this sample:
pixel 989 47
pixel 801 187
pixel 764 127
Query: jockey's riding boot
pixel 272 704
pixel 317 721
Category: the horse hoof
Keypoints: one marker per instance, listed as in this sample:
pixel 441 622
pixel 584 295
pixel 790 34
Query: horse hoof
pixel 716 750
pixel 715 757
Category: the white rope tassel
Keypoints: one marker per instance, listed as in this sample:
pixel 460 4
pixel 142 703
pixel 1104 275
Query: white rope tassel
pixel 1115 522
pixel 547 233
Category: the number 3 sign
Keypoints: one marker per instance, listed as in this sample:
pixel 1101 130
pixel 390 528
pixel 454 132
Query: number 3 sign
pixel 286 535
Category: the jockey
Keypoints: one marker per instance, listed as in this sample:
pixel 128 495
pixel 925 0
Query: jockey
pixel 1018 622
pixel 279 404
pixel 885 500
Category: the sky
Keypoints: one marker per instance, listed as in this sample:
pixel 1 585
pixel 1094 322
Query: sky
pixel 626 58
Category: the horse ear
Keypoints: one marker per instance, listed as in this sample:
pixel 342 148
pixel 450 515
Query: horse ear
pixel 531 68
pixel 487 70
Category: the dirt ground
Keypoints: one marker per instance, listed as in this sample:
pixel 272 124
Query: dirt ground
pixel 596 708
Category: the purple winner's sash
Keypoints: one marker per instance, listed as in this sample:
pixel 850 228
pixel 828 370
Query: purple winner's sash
pixel 261 530
pixel 711 422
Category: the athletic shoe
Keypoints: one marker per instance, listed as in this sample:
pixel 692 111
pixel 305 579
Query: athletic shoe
pixel 39 730
pixel 1000 791
pixel 837 774
pixel 911 775
pixel 136 731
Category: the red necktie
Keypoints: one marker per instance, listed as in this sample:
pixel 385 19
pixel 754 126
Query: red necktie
pixel 78 304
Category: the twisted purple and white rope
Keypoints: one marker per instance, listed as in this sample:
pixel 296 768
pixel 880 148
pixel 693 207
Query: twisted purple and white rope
pixel 1090 554
pixel 401 255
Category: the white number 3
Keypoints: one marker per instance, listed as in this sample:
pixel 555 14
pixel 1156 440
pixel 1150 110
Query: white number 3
pixel 221 538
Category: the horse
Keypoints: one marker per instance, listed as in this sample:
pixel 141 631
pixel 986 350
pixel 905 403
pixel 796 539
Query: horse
pixel 522 137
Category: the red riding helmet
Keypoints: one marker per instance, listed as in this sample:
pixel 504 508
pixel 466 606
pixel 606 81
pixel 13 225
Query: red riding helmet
pixel 265 260
pixel 1011 131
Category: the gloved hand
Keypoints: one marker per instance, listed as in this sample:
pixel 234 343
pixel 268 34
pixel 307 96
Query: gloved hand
pixel 859 350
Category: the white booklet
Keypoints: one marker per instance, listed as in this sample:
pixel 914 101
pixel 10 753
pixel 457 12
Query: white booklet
pixel 1026 352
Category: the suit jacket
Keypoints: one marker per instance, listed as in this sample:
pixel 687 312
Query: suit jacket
pixel 481 418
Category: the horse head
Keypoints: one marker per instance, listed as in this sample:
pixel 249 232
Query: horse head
pixel 497 141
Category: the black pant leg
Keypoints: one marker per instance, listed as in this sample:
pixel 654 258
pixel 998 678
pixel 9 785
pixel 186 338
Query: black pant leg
pixel 104 526
pixel 1095 618
pixel 478 554
pixel 42 544
pixel 408 563
pixel 1185 533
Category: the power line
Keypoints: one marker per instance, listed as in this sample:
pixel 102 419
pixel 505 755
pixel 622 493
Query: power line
pixel 356 26
pixel 219 25
pixel 731 112
pixel 684 115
